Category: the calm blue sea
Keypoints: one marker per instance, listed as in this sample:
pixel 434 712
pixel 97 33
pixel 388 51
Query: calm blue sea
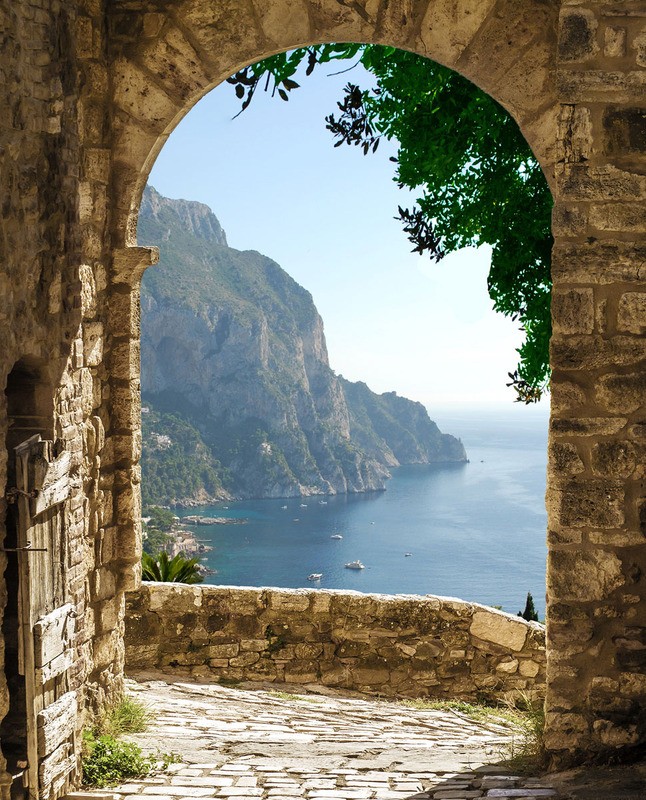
pixel 474 531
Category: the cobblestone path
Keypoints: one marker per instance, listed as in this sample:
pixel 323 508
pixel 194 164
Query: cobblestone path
pixel 261 744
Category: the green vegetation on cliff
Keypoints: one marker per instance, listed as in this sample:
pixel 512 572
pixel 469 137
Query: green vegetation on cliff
pixel 175 461
pixel 235 375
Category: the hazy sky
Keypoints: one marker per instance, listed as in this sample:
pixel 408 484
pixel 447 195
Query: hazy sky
pixel 392 319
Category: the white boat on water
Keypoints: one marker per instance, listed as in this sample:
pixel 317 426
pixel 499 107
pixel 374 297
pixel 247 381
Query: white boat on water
pixel 355 565
pixel 283 507
pixel 336 536
pixel 303 505
pixel 322 502
pixel 315 576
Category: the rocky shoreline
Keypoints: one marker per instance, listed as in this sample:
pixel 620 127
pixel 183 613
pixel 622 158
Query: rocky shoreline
pixel 183 540
pixel 194 519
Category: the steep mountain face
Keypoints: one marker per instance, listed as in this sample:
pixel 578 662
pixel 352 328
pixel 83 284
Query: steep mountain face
pixel 236 348
pixel 395 430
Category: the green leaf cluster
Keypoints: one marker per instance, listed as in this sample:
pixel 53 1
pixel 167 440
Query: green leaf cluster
pixel 165 569
pixel 109 761
pixel 476 177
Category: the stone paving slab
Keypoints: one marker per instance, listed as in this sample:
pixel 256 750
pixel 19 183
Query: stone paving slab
pixel 272 746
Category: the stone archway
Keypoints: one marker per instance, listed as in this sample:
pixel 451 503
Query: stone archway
pixel 571 77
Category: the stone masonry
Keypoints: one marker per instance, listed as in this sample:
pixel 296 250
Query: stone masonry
pixel 89 92
pixel 393 646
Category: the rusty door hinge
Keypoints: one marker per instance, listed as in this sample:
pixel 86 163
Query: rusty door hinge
pixel 11 495
pixel 28 547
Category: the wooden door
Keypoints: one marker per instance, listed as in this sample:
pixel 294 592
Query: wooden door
pixel 46 619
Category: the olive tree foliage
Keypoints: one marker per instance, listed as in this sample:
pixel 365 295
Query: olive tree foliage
pixel 476 177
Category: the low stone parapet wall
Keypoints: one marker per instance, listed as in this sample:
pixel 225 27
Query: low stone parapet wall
pixel 401 645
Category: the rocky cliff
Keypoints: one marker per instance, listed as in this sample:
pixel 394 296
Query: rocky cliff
pixel 235 348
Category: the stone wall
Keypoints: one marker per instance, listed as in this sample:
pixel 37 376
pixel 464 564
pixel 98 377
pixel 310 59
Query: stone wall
pixel 393 646
pixel 55 345
pixel 597 453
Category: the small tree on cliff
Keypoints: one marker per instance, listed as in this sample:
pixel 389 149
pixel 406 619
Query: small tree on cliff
pixel 478 180
pixel 530 612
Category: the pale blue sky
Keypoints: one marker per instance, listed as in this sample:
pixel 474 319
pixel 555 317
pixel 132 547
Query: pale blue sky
pixel 392 319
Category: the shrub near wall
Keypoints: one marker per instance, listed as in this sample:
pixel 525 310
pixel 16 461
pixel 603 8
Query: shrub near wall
pixel 404 645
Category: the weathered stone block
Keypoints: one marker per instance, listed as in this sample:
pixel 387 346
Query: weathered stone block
pixel 598 262
pixel 585 182
pixel 569 220
pixel 614 459
pixel 631 313
pixel 587 426
pixel 244 659
pixel 456 34
pixel 566 395
pixel 583 576
pixel 370 677
pixel 103 584
pixel 290 19
pixel 125 359
pixel 173 60
pixel 498 628
pixel 614 41
pixel 573 311
pixel 620 217
pixel 301 672
pixel 589 503
pixel 565 458
pixel 595 352
pixel 613 734
pixel 528 668
pixel 289 601
pixel 175 599
pixel 508 666
pixel 577 31
pixel 137 95
pixel 308 651
pixel 598 85
pixel 625 130
pixel 223 651
pixel 565 731
pixel 430 649
pixel 619 393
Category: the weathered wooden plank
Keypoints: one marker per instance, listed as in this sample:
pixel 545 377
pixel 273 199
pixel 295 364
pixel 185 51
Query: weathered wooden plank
pixel 47 472
pixel 47 626
pixel 23 452
pixel 58 764
pixel 56 722
pixel 52 634
pixel 51 496
pixel 51 482
pixel 55 667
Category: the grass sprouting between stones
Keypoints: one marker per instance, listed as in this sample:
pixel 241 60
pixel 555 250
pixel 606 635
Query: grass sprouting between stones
pixel 107 760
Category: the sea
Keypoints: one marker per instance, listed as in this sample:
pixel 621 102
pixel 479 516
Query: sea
pixel 476 531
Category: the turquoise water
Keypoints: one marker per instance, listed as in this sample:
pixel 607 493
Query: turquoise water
pixel 474 531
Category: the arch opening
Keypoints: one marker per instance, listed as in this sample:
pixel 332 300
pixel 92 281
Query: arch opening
pixel 188 354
